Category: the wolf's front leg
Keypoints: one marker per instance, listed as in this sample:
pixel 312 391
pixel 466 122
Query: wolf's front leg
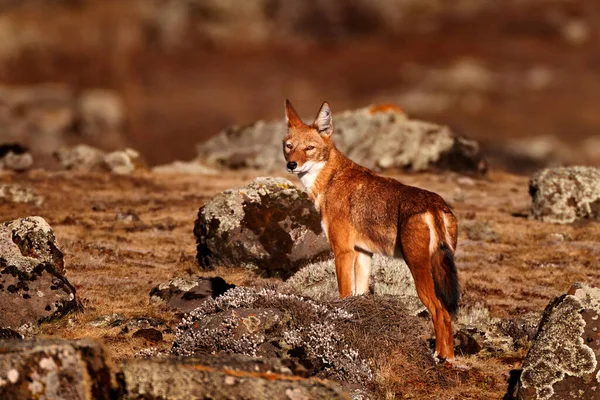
pixel 344 270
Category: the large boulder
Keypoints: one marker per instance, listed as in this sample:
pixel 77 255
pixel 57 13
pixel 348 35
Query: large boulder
pixel 563 361
pixel 32 286
pixel 342 341
pixel 376 137
pixel 55 369
pixel 266 323
pixel 269 225
pixel 566 194
pixel 389 276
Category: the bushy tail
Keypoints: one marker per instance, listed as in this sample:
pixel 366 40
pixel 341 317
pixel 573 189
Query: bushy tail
pixel 445 278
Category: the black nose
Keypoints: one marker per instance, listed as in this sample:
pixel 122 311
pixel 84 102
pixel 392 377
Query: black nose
pixel 292 165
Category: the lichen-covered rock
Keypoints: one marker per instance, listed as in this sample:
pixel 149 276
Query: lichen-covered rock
pixel 269 225
pixel 376 137
pixel 389 276
pixel 80 158
pixel 184 295
pixel 26 242
pixel 28 298
pixel 55 369
pixel 187 378
pixel 266 323
pixel 563 361
pixel 15 157
pixel 15 193
pixel 32 286
pixel 565 194
pixel 123 162
pixel 85 158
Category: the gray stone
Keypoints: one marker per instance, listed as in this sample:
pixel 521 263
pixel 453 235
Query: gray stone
pixel 85 158
pixel 267 323
pixel 376 137
pixel 269 225
pixel 80 158
pixel 26 242
pixel 15 157
pixel 182 379
pixel 566 194
pixel 389 276
pixel 563 361
pixel 123 162
pixel 184 295
pixel 32 286
pixel 55 369
pixel 15 193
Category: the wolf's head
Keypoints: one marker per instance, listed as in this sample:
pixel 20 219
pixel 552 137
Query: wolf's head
pixel 306 148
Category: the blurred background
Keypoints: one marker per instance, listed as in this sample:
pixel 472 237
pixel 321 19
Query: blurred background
pixel 520 76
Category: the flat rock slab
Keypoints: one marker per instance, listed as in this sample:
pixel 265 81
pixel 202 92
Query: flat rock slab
pixel 566 194
pixel 181 380
pixel 55 369
pixel 377 137
pixel 270 226
pixel 563 361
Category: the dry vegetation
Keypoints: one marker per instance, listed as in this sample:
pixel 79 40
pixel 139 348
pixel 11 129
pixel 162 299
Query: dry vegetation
pixel 123 235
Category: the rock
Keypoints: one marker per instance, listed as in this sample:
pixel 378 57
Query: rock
pixel 565 195
pixel 15 157
pixel 55 369
pixel 7 333
pixel 32 297
pixel 563 361
pixel 100 111
pixel 376 137
pixel 15 193
pixel 48 116
pixel 123 162
pixel 389 276
pixel 184 295
pixel 149 334
pixel 182 167
pixel 80 158
pixel 89 159
pixel 269 225
pixel 187 378
pixel 26 242
pixel 466 342
pixel 109 320
pixel 269 324
pixel 32 287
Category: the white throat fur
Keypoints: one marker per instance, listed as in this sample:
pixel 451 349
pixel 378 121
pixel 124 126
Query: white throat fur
pixel 310 172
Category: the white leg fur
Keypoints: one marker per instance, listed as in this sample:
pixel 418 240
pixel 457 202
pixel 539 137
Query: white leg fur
pixel 362 273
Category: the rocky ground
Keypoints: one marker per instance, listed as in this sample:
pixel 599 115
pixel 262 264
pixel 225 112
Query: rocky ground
pixel 123 235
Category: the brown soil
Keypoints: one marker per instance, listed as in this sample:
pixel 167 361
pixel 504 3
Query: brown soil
pixel 507 262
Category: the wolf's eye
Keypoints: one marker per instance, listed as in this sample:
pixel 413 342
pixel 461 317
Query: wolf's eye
pixel 310 147
pixel 289 146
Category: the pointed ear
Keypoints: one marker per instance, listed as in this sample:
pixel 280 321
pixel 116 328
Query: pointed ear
pixel 291 116
pixel 323 122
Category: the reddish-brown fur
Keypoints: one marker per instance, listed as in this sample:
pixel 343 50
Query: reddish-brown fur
pixel 363 213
